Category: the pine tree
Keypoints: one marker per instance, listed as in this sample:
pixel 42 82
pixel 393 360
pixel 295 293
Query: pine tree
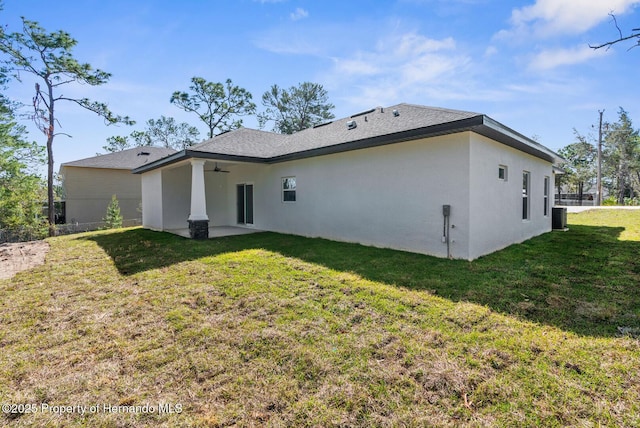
pixel 21 189
pixel 622 156
pixel 113 220
pixel 48 58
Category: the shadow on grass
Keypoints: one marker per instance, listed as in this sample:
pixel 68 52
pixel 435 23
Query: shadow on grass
pixel 585 280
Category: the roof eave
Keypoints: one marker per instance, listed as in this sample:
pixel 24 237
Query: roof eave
pixel 68 165
pixel 505 135
pixel 189 154
pixel 224 156
pixel 480 124
pixel 385 139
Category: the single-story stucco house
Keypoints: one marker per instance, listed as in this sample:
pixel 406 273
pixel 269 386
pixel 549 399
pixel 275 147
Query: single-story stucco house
pixel 428 180
pixel 90 183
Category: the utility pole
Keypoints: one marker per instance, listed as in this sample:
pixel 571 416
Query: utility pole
pixel 599 175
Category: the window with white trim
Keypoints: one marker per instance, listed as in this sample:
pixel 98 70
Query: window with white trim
pixel 546 196
pixel 288 189
pixel 502 172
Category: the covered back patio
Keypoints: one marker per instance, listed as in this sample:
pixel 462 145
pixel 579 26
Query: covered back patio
pixel 199 198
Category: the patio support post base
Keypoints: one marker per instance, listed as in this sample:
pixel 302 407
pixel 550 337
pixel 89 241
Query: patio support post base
pixel 199 229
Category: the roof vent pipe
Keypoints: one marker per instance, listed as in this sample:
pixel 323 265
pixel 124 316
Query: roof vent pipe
pixel 351 124
pixel 396 113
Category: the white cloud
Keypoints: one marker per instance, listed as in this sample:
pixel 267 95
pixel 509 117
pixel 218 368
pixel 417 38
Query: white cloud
pixel 551 58
pixel 285 42
pixel 404 67
pixel 412 44
pixel 296 40
pixel 490 51
pixel 411 57
pixel 298 14
pixel 356 66
pixel 397 65
pixel 552 17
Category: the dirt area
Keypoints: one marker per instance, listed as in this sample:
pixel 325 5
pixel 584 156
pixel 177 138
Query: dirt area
pixel 21 256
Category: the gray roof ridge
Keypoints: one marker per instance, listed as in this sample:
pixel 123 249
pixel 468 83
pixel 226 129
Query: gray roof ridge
pixel 234 131
pixel 443 109
pixel 118 154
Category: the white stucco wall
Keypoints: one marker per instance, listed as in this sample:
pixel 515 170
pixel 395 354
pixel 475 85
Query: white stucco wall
pixel 216 188
pixel 496 205
pixel 389 196
pixel 88 193
pixel 176 194
pixel 152 199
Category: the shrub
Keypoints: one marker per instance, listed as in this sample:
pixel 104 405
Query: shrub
pixel 113 219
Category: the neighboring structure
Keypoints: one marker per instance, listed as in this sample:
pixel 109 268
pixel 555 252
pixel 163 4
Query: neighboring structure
pixel 427 180
pixel 89 183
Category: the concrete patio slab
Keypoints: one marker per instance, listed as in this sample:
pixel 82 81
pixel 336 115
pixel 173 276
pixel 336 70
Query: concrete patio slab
pixel 217 231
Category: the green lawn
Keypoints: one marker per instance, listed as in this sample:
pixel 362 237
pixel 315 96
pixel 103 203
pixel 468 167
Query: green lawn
pixel 279 330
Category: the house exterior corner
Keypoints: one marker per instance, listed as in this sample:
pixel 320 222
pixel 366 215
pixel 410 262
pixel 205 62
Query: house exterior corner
pixel 507 189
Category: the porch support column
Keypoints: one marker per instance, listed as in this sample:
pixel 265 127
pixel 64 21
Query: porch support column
pixel 198 219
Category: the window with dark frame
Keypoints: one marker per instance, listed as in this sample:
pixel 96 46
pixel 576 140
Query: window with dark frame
pixel 502 172
pixel 525 194
pixel 288 189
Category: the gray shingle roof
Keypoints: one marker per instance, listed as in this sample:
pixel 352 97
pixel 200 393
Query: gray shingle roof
pixel 374 127
pixel 126 159
pixel 376 122
pixel 370 125
pixel 243 142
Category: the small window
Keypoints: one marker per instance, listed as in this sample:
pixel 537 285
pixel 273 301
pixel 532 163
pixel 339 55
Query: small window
pixel 289 189
pixel 546 196
pixel 502 173
pixel 525 195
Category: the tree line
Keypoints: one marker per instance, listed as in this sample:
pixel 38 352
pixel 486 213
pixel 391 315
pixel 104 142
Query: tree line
pixel 619 159
pixel 220 106
pixel 48 58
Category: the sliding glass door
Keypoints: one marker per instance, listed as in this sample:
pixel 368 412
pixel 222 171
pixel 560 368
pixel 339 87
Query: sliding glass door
pixel 245 203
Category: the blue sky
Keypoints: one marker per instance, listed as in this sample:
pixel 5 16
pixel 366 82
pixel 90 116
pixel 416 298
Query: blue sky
pixel 526 64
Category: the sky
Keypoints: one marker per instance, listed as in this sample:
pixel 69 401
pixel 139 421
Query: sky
pixel 525 63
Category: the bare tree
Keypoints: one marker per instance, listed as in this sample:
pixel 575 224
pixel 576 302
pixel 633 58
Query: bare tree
pixel 635 34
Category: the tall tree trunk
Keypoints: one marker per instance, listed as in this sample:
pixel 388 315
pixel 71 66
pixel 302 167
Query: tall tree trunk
pixel 621 185
pixel 50 135
pixel 50 202
pixel 580 189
